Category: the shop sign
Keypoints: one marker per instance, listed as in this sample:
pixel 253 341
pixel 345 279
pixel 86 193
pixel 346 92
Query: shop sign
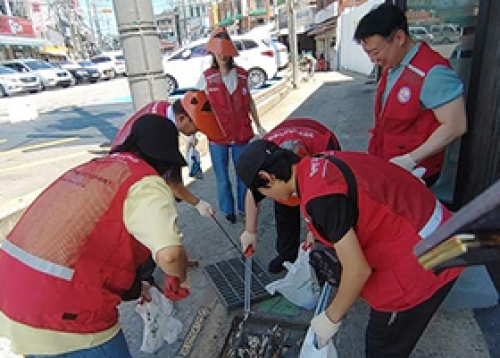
pixel 16 26
pixel 327 13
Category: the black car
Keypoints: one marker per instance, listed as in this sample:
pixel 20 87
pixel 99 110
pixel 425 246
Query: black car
pixel 79 73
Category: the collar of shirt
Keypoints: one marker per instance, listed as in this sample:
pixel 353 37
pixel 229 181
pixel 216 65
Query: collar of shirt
pixel 171 115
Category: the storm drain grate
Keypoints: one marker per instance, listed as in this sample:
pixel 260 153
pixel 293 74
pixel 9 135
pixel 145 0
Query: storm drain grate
pixel 228 279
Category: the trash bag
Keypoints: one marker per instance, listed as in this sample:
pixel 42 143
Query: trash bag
pixel 159 323
pixel 299 285
pixel 309 347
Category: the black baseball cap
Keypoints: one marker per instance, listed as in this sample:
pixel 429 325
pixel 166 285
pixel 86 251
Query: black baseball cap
pixel 251 160
pixel 158 138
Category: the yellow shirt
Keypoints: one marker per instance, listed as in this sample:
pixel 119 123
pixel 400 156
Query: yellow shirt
pixel 149 214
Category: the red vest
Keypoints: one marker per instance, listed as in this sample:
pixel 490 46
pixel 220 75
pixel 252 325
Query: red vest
pixel 312 135
pixel 403 124
pixel 232 110
pixel 157 107
pixel 66 262
pixel 395 212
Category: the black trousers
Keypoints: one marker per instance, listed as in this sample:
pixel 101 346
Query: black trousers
pixel 287 230
pixel 394 335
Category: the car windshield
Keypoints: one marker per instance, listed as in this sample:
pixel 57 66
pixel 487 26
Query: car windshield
pixel 85 64
pixel 120 57
pixel 38 65
pixel 6 71
pixel 100 59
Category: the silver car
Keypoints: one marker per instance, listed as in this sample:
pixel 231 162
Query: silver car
pixel 48 74
pixel 14 82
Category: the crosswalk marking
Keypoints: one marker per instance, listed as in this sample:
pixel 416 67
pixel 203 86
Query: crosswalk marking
pixel 40 145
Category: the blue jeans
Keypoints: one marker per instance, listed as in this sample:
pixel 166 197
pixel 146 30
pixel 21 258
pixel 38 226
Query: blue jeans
pixel 114 348
pixel 220 161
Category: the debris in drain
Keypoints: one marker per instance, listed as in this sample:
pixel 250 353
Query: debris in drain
pixel 275 342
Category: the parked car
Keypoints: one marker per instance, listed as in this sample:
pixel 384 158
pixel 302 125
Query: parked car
pixel 281 54
pixel 30 83
pixel 9 82
pixel 420 33
pixel 91 67
pixel 49 75
pixel 110 65
pixel 105 67
pixel 80 73
pixel 118 61
pixel 445 33
pixel 184 67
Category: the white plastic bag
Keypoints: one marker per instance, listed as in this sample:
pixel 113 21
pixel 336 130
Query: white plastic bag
pixel 194 162
pixel 309 349
pixel 299 285
pixel 159 324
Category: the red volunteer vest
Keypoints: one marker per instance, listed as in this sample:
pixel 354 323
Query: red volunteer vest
pixel 157 107
pixel 66 262
pixel 312 135
pixel 231 110
pixel 403 124
pixel 395 212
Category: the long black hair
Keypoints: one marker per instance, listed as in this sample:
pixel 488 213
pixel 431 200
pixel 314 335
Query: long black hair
pixel 230 63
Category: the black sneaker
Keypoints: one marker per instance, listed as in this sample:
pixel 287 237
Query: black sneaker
pixel 276 265
pixel 231 218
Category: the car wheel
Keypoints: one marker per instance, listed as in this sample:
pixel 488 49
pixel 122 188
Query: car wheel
pixel 3 91
pixel 256 77
pixel 171 85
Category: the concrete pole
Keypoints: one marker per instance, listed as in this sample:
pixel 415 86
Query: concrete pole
pixel 292 40
pixel 141 48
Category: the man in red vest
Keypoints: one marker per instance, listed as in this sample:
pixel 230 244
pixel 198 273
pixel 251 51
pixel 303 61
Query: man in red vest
pixel 372 213
pixel 304 136
pixel 419 108
pixel 76 249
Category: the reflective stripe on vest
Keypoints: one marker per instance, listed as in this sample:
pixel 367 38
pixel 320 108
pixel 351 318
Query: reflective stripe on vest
pixel 37 263
pixel 433 222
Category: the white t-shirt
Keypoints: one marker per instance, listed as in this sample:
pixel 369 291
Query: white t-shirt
pixel 230 80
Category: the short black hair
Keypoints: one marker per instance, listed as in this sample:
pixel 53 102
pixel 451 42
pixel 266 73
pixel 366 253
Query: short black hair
pixel 278 164
pixel 383 20
pixel 177 107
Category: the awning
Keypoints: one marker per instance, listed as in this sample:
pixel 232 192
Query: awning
pixel 226 22
pixel 23 41
pixel 320 29
pixel 54 50
pixel 257 12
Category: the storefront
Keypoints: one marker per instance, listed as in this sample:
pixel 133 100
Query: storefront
pixel 324 33
pixel 17 38
pixel 304 15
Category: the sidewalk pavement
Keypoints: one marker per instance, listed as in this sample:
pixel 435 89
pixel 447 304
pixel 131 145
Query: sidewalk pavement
pixel 344 103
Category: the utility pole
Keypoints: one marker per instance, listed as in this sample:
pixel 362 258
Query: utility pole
pixel 91 21
pixel 141 48
pixel 292 40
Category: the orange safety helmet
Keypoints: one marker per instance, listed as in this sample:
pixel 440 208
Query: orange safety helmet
pixel 220 43
pixel 196 105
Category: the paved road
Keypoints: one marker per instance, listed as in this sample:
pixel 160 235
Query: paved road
pixel 343 103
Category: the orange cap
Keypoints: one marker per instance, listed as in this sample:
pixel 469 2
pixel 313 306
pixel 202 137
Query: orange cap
pixel 220 43
pixel 196 105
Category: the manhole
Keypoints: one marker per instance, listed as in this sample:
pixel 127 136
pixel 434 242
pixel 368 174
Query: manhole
pixel 263 337
pixel 228 279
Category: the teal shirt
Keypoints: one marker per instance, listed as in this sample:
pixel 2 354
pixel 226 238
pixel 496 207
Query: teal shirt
pixel 441 85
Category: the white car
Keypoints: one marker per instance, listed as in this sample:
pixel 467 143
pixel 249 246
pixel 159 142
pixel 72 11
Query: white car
pixel 113 61
pixel 184 67
pixel 281 53
pixel 49 75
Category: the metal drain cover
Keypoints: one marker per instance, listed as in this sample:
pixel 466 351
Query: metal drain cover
pixel 228 279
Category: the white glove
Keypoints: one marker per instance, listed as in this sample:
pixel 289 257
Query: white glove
pixel 248 240
pixel 404 161
pixel 324 329
pixel 261 131
pixel 204 208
